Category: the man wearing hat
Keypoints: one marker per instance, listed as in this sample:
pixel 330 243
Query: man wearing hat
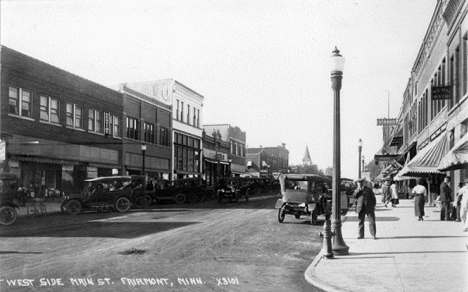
pixel 365 205
pixel 445 198
pixel 464 205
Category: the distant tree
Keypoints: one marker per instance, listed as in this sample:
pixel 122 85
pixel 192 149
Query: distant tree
pixel 311 169
pixel 373 169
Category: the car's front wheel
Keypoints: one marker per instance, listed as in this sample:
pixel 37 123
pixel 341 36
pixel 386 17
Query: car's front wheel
pixel 143 200
pixel 73 207
pixel 122 204
pixel 282 213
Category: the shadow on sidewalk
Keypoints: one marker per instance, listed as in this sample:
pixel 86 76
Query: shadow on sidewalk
pixel 369 255
pixel 377 219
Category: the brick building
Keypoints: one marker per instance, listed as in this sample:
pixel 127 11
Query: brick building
pixel 59 128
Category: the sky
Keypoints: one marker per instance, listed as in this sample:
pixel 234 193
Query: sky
pixel 263 66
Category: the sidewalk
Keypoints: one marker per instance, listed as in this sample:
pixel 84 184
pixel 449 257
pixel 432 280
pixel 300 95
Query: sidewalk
pixel 409 255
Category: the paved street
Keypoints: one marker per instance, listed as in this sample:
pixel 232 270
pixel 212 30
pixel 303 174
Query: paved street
pixel 192 247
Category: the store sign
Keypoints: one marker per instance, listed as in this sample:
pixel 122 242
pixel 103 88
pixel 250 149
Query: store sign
pixel 387 122
pixel 442 93
pixel 106 123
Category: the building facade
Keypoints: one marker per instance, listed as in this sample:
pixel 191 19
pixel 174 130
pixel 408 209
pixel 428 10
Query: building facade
pixel 216 163
pixel 268 160
pixel 434 115
pixel 59 128
pixel 186 135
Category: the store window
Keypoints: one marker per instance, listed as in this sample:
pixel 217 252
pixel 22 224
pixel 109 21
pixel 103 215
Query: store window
pixel 20 102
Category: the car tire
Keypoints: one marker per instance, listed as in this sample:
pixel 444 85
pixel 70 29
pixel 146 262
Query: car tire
pixel 8 215
pixel 210 195
pixel 180 198
pixel 192 197
pixel 143 200
pixel 122 204
pixel 281 213
pixel 201 196
pixel 257 191
pixel 73 207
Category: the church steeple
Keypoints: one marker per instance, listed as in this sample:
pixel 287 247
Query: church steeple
pixel 306 160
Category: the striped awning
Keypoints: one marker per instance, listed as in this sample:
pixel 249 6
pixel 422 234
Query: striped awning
pixel 457 157
pixel 427 160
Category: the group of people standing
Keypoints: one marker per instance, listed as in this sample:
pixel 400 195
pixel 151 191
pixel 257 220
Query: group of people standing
pixel 366 201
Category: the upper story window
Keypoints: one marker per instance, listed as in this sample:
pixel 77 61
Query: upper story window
pixel 163 136
pixel 149 132
pixel 181 111
pixel 49 109
pixel 74 116
pixel 20 102
pixel 188 113
pixel 177 109
pixel 195 117
pixel 198 119
pixel 115 127
pixel 132 128
pixel 95 121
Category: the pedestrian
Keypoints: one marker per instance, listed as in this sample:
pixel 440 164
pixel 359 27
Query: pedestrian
pixel 365 205
pixel 457 204
pixel 394 194
pixel 445 199
pixel 386 197
pixel 464 205
pixel 419 192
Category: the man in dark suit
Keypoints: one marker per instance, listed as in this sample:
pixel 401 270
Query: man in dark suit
pixel 445 199
pixel 365 205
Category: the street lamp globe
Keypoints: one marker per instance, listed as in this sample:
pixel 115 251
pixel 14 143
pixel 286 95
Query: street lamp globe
pixel 337 61
pixel 143 147
pixel 360 143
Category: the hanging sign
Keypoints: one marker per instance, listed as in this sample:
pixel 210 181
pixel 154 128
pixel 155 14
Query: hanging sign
pixel 386 122
pixel 442 93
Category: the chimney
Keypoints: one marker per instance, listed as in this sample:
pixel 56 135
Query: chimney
pixel 283 145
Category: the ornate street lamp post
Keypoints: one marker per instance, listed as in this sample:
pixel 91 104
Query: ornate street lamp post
pixel 339 246
pixel 359 160
pixel 143 152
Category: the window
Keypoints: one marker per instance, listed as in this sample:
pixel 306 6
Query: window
pixel 181 111
pixel 95 121
pixel 198 118
pixel 149 132
pixel 163 136
pixel 74 116
pixel 115 126
pixel 20 102
pixel 132 128
pixel 177 109
pixel 188 113
pixel 195 117
pixel 49 109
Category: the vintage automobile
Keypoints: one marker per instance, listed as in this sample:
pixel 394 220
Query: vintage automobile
pixel 109 193
pixel 183 190
pixel 233 189
pixel 8 192
pixel 304 194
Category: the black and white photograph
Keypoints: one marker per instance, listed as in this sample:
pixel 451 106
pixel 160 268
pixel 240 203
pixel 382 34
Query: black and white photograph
pixel 234 145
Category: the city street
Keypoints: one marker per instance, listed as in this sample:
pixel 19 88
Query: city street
pixel 198 247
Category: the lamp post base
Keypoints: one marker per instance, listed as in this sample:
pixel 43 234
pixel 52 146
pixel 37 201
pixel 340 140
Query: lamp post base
pixel 339 246
pixel 327 242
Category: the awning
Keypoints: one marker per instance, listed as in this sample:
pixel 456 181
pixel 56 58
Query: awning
pixel 44 160
pixel 427 160
pixel 457 157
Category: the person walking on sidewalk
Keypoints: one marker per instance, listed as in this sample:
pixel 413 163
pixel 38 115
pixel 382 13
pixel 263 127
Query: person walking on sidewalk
pixel 394 193
pixel 464 205
pixel 386 197
pixel 457 204
pixel 446 199
pixel 420 193
pixel 365 205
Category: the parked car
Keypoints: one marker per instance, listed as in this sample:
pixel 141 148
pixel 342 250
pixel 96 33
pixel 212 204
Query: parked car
pixel 183 190
pixel 304 194
pixel 8 193
pixel 232 188
pixel 109 193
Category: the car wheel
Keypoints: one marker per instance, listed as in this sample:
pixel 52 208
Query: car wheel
pixel 201 196
pixel 8 215
pixel 210 195
pixel 73 207
pixel 257 191
pixel 282 213
pixel 143 200
pixel 180 198
pixel 313 218
pixel 192 197
pixel 122 204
